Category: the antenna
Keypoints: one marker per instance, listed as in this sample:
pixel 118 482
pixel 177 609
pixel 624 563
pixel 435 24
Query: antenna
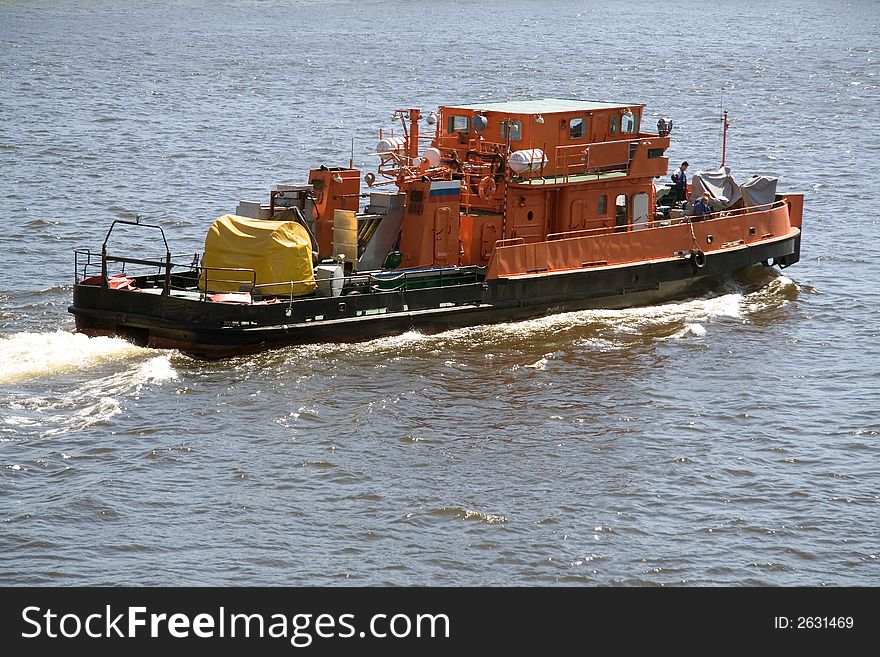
pixel 351 159
pixel 724 125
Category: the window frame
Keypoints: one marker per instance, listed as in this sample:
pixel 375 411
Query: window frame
pixel 464 119
pixel 507 133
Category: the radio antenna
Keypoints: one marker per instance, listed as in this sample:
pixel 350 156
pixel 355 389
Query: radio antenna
pixel 724 125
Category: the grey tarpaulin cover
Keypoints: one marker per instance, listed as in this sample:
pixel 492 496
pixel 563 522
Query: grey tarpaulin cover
pixel 721 186
pixel 758 190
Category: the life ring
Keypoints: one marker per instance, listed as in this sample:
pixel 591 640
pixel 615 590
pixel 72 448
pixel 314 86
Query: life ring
pixel 698 258
pixel 487 188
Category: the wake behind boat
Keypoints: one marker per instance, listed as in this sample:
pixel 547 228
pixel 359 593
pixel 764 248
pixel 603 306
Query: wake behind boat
pixel 509 210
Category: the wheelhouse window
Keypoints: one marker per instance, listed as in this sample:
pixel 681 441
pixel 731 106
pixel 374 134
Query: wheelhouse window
pixel 613 124
pixel 576 128
pixel 628 122
pixel 603 205
pixel 511 130
pixel 458 124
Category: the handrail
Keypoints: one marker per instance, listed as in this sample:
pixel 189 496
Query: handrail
pixel 572 159
pixel 88 254
pixel 167 264
pixel 134 223
pixel 136 261
pixel 203 271
pixel 660 224
pixel 88 263
pixel 205 280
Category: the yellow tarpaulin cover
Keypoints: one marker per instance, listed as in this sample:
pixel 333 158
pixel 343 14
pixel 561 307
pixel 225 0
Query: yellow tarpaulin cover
pixel 277 251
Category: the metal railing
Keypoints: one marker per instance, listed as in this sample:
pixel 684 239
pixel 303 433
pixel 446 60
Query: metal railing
pixel 100 262
pixel 593 158
pixel 212 280
pixel 664 223
pixel 86 254
pixel 205 280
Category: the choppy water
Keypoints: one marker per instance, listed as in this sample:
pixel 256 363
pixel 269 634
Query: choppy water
pixel 730 439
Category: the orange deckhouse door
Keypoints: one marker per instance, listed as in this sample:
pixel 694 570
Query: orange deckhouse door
pixel 442 232
pixel 577 215
pixel 488 236
pixel 640 211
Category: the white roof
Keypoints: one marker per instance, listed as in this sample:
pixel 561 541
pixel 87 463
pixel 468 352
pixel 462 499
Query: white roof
pixel 543 106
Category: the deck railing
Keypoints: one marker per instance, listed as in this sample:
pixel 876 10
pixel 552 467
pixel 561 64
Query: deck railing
pixel 663 223
pixel 593 158
pixel 208 281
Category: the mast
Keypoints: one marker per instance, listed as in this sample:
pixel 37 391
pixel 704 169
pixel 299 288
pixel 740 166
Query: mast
pixel 413 144
pixel 725 123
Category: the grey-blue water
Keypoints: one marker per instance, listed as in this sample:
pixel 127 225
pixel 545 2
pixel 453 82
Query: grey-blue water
pixel 730 439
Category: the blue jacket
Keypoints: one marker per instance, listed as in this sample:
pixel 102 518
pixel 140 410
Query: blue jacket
pixel 702 208
pixel 680 178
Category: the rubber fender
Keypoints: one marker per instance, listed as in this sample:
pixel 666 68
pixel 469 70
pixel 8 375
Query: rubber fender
pixel 698 258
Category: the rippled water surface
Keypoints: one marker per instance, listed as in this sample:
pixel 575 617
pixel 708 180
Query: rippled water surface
pixel 728 439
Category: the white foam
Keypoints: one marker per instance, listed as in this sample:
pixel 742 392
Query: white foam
pixel 30 355
pixel 630 319
pixel 691 328
pixel 773 294
pixel 95 402
pixel 490 518
pixel 95 412
pixel 608 323
pixel 689 317
pixel 19 421
pixel 156 369
pixel 394 341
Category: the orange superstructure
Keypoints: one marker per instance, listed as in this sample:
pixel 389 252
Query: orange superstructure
pixel 547 185
pixel 527 170
pixel 476 213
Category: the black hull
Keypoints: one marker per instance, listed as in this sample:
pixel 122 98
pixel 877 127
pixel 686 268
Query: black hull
pixel 215 330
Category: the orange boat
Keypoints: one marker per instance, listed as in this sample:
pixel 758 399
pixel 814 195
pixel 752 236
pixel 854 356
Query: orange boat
pixel 507 210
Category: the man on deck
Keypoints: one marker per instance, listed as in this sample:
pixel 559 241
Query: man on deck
pixel 679 177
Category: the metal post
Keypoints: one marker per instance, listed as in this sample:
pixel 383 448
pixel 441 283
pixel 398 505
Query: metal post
pixel 724 139
pixel 166 290
pixel 104 282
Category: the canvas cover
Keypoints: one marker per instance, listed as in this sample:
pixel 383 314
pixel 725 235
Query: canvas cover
pixel 722 188
pixel 278 251
pixel 758 190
